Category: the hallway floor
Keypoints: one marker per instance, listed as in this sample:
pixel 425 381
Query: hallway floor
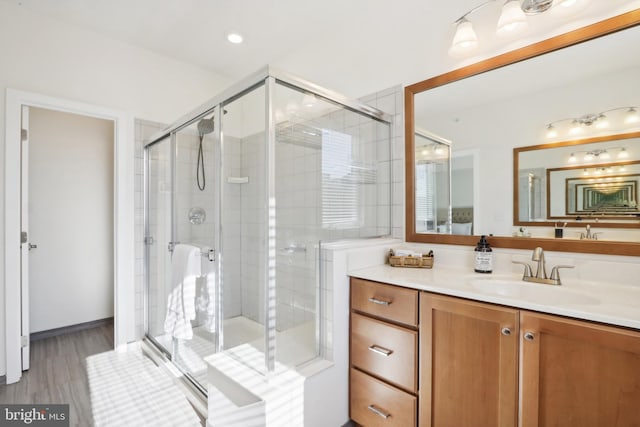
pixel 101 386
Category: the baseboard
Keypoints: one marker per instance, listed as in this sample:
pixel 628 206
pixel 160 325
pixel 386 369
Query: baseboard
pixel 68 329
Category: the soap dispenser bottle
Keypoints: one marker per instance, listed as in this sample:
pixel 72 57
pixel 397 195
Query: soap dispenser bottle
pixel 484 256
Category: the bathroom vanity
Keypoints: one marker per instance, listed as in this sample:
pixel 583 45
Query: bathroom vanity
pixel 446 348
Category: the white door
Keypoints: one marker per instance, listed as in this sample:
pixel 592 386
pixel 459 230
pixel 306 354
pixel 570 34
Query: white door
pixel 25 245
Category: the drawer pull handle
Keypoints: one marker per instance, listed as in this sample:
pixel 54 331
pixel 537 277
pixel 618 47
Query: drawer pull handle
pixel 378 412
pixel 379 301
pixel 381 350
pixel 529 336
pixel 506 331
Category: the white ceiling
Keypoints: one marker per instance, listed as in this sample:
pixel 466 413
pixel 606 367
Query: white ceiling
pixel 351 46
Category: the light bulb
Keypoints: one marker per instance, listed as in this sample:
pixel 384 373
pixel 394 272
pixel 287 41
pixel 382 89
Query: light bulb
pixel 512 19
pixel 572 158
pixel 585 173
pixel 632 116
pixel 439 151
pixel 567 3
pixel 602 122
pixel 623 154
pixel 605 155
pixel 551 132
pixel 465 39
pixel 235 38
pixel 575 128
pixel 588 157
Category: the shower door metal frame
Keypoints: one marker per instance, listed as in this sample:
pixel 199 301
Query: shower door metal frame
pixel 269 77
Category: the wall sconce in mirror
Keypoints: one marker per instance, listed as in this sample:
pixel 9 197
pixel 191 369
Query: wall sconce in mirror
pixel 618 118
pixel 512 21
pixel 597 155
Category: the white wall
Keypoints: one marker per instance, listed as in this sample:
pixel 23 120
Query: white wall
pixel 40 55
pixel 70 218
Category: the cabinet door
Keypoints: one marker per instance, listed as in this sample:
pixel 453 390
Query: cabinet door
pixel 577 373
pixel 469 369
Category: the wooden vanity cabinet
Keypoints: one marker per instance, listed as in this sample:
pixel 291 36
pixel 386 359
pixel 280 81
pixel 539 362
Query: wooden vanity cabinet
pixel 468 363
pixel 577 373
pixel 383 382
pixel 473 364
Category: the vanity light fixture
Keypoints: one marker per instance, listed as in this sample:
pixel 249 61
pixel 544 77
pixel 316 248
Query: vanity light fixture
pixel 600 121
pixel 598 154
pixel 512 21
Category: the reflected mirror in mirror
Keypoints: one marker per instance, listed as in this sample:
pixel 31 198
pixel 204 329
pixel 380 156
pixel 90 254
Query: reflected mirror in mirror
pixel 506 102
pixel 578 181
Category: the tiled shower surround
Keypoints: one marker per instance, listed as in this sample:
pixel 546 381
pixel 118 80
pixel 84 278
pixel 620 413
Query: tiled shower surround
pixel 301 222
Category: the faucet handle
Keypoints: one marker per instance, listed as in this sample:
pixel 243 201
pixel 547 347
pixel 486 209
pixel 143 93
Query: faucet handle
pixel 527 269
pixel 555 274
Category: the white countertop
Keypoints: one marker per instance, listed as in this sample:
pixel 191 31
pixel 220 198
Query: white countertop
pixel 599 302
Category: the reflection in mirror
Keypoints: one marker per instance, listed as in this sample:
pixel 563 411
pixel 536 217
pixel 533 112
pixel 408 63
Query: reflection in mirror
pixel 433 183
pixel 594 180
pixel 608 195
pixel 509 101
pixel 463 179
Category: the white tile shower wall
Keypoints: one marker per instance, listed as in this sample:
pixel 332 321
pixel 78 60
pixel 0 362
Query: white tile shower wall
pixel 231 232
pixel 253 223
pixel 391 101
pixel 189 196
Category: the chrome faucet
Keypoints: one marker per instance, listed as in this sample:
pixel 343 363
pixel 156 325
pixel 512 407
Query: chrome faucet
pixel 588 235
pixel 538 256
pixel 541 271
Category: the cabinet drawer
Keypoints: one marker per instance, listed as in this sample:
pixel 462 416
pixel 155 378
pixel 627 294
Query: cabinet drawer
pixel 385 350
pixel 385 301
pixel 374 403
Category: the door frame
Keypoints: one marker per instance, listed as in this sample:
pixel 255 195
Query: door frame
pixel 124 219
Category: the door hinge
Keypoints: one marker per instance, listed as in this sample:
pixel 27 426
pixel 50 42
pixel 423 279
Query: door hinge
pixel 23 237
pixel 24 341
pixel 24 135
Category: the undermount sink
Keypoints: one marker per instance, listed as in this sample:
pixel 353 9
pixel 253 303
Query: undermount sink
pixel 533 292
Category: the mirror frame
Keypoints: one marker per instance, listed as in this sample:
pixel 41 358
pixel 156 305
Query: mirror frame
pixel 571 222
pixel 599 29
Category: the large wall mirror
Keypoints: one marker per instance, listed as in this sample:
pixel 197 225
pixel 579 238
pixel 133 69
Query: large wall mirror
pixel 503 110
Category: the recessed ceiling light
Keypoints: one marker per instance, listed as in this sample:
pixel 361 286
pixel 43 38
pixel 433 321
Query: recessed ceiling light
pixel 234 38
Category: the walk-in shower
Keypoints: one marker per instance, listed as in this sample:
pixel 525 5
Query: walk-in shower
pixel 288 165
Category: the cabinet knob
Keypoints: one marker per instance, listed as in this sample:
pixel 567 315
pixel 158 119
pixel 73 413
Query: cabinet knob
pixel 529 336
pixel 506 331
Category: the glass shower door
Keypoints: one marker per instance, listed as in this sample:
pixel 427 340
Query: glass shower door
pixel 157 238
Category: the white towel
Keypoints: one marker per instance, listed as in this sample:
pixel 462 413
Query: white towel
pixel 185 268
pixel 207 302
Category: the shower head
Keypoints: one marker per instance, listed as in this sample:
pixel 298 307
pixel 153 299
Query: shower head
pixel 205 126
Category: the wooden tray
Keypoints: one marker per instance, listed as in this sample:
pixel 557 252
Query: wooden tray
pixel 424 261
